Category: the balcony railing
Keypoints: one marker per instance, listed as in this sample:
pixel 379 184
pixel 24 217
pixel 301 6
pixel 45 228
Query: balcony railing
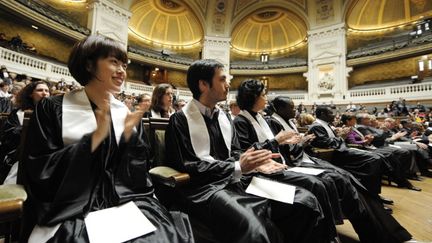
pixel 32 66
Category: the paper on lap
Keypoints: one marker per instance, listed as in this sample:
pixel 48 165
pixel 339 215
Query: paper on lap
pixel 271 190
pixel 117 224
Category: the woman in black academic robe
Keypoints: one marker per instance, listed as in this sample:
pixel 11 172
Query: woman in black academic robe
pixel 368 223
pixel 251 99
pixel 85 154
pixel 10 135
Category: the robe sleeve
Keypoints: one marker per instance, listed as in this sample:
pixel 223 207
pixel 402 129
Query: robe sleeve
pixel 10 137
pixel 247 136
pixel 132 177
pixel 57 178
pixel 206 177
pixel 353 138
pixel 322 140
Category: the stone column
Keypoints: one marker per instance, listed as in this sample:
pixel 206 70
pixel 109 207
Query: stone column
pixel 109 19
pixel 327 71
pixel 217 48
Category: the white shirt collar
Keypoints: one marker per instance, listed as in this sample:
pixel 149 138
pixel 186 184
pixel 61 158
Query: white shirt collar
pixel 204 109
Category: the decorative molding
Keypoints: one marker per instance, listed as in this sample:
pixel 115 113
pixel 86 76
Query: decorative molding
pixel 156 62
pixel 326 32
pixel 112 9
pixel 398 54
pixel 261 72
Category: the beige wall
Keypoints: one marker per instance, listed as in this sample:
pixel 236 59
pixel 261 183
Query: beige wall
pixel 177 78
pixel 46 43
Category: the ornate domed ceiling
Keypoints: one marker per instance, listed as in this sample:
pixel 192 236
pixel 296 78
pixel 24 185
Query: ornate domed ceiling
pixel 166 23
pixel 370 15
pixel 272 31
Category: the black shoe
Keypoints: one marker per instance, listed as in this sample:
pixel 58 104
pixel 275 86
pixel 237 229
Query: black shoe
pixel 414 188
pixel 388 210
pixel 408 185
pixel 386 200
pixel 426 173
pixel 414 178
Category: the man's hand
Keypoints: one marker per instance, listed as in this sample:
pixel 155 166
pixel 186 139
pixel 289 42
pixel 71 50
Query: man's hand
pixel 251 159
pixel 421 145
pixel 282 136
pixel 271 167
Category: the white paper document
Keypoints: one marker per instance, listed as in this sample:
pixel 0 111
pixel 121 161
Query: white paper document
pixel 117 224
pixel 272 190
pixel 304 170
pixel 406 145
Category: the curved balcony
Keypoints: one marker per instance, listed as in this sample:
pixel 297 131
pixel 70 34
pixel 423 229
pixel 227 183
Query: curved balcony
pixel 32 66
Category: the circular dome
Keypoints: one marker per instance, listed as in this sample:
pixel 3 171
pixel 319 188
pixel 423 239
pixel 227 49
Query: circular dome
pixel 366 15
pixel 269 31
pixel 165 23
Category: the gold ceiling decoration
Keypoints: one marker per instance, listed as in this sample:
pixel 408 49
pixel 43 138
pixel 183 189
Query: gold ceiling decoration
pixel 374 15
pixel 165 23
pixel 272 31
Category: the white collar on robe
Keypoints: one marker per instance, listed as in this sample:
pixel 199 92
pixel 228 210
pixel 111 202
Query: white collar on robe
pixel 327 127
pixel 79 119
pixel 260 126
pixel 200 139
pixel 155 114
pixel 20 115
pixel 285 124
pixel 358 132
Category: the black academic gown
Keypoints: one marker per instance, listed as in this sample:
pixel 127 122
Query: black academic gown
pixel 65 183
pixel 323 188
pixel 10 135
pixel 366 167
pixel 214 198
pixel 399 158
pixel 369 219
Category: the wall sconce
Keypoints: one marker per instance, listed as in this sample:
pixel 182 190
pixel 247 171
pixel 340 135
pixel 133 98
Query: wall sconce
pixel 264 58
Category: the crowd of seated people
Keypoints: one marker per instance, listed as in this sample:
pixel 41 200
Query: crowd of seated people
pixel 89 152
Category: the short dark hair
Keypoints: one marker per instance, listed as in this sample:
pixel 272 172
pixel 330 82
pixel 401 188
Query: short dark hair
pixel 201 70
pixel 321 109
pixel 248 92
pixel 346 117
pixel 85 53
pixel 280 101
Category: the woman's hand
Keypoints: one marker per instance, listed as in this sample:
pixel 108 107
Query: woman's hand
pixel 131 121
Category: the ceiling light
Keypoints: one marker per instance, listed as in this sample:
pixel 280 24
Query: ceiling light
pixel 35 27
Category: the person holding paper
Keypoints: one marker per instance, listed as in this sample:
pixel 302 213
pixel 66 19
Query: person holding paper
pixel 363 209
pixel 86 152
pixel 201 140
pixel 253 131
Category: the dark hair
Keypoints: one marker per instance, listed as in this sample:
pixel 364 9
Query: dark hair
pixel 24 100
pixel 85 54
pixel 248 92
pixel 280 101
pixel 346 117
pixel 201 70
pixel 320 110
pixel 158 93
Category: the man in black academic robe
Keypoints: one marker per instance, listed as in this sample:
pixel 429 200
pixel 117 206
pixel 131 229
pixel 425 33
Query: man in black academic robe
pixel 399 158
pixel 369 219
pixel 365 166
pixel 215 195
